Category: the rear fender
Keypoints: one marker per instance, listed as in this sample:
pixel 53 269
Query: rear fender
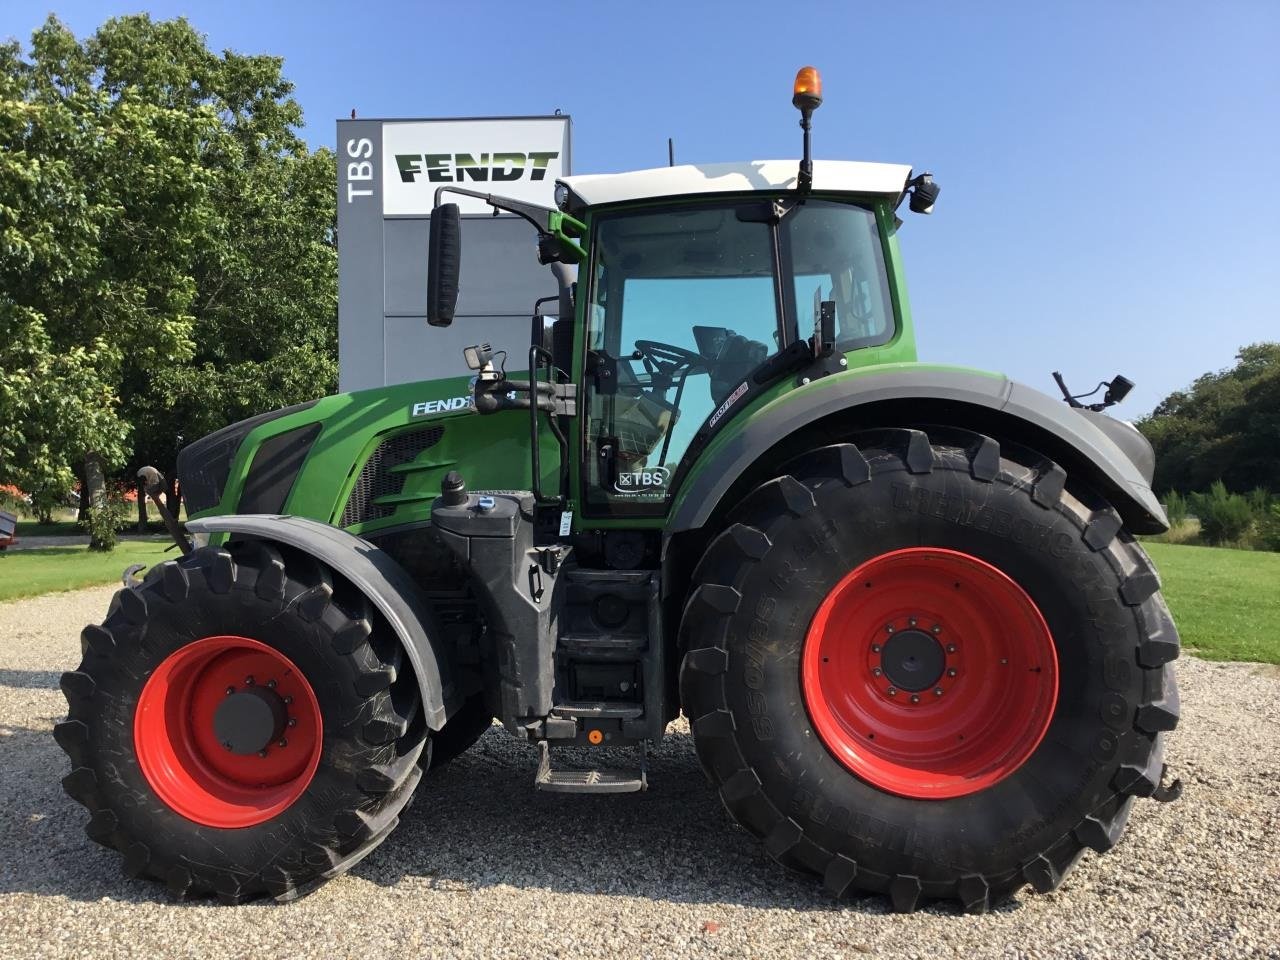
pixel 1109 454
pixel 375 574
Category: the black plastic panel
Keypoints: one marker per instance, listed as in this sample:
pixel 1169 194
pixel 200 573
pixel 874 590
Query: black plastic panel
pixel 275 467
pixel 203 466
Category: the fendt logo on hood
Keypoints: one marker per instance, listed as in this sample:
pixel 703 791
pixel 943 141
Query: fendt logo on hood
pixel 457 167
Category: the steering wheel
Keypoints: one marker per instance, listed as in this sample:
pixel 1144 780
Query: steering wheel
pixel 662 360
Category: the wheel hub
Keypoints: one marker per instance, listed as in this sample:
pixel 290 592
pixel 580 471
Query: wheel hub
pixel 250 720
pixel 913 660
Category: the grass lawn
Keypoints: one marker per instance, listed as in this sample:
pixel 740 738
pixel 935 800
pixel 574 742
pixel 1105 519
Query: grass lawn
pixel 1226 602
pixel 25 573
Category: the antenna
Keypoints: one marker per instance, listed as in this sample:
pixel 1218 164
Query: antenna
pixel 671 152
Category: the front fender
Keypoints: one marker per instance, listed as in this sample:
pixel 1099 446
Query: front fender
pixel 956 397
pixel 375 574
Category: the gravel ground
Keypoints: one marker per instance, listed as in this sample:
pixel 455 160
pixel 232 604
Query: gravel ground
pixel 484 866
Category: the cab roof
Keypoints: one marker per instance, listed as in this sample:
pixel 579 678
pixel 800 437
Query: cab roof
pixel 839 176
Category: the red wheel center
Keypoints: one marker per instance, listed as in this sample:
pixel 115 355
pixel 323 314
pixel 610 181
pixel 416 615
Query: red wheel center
pixel 929 673
pixel 228 732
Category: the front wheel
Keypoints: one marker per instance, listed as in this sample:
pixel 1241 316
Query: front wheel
pixel 241 725
pixel 921 666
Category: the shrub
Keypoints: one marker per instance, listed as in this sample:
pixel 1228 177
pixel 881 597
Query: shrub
pixel 1260 501
pixel 104 522
pixel 1175 505
pixel 1268 535
pixel 1224 517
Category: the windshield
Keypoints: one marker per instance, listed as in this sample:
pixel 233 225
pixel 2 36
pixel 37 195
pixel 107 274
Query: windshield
pixel 686 303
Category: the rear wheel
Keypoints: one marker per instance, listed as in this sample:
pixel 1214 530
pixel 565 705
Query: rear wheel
pixel 241 724
pixel 925 668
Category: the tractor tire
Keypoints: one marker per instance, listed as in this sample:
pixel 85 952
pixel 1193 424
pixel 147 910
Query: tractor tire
pixel 460 733
pixel 241 725
pixel 922 666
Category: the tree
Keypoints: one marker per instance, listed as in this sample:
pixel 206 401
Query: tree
pixel 1225 426
pixel 167 258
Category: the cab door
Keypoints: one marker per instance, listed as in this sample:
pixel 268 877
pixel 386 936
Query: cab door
pixel 683 304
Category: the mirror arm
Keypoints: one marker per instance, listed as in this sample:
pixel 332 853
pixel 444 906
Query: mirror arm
pixel 548 222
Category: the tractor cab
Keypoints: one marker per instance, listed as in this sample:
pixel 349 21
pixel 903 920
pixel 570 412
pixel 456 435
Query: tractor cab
pixel 699 289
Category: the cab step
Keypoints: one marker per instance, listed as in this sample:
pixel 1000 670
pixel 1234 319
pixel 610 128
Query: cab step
pixel 589 781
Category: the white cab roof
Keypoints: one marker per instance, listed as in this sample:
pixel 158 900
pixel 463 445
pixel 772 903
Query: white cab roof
pixel 843 176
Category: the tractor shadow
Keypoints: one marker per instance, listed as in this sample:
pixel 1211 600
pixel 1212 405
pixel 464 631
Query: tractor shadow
pixel 479 822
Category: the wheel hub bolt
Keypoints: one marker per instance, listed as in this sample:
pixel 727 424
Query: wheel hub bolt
pixel 937 691
pixel 915 698
pixel 293 721
pixel 230 691
pixel 893 691
pixel 888 628
pixel 262 753
pixel 911 621
pixel 248 681
pixel 951 672
pixel 271 684
pixel 937 628
pixel 288 700
pixel 951 648
pixel 875 648
pixel 1004 661
pixel 282 742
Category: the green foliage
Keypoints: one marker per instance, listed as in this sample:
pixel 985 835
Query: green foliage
pixel 1226 426
pixel 1175 507
pixel 1267 535
pixel 1259 500
pixel 167 255
pixel 1224 517
pixel 104 522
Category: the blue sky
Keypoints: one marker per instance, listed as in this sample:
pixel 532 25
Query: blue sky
pixel 1109 193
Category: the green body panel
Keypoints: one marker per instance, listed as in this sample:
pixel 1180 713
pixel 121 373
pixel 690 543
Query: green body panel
pixel 491 451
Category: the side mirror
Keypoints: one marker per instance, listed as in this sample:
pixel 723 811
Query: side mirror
pixel 444 262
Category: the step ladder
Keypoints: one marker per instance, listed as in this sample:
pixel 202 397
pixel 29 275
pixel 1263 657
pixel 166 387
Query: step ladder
pixel 590 781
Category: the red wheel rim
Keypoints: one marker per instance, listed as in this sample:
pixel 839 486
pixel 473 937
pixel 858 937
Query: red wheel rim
pixel 929 673
pixel 195 772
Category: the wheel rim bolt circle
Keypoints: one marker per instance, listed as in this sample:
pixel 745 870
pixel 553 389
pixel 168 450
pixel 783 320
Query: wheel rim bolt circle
pixel 248 681
pixel 293 721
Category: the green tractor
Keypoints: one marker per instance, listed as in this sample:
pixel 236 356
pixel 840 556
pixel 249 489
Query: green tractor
pixel 920 652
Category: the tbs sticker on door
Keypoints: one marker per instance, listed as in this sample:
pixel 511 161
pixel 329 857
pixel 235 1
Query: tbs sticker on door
pixel 636 482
